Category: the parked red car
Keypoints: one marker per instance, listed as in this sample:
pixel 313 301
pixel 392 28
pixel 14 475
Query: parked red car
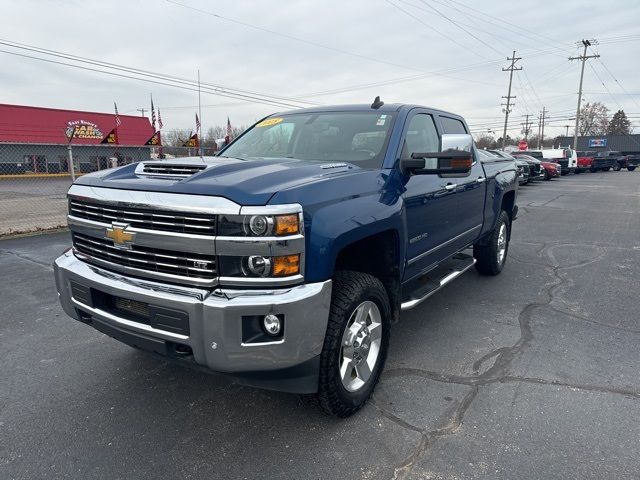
pixel 551 170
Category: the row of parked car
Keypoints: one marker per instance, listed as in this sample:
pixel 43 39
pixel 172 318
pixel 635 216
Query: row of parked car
pixel 550 163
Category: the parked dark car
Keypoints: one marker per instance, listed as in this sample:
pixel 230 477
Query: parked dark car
pixel 602 161
pixel 523 171
pixel 552 168
pixel 628 160
pixel 536 171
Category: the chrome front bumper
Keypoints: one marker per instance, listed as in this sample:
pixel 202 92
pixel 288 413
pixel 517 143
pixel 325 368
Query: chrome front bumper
pixel 215 322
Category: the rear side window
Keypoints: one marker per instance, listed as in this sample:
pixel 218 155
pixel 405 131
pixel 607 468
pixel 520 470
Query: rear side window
pixel 452 125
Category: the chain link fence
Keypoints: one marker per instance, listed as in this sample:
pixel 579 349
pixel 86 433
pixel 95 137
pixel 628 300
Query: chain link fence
pixel 34 179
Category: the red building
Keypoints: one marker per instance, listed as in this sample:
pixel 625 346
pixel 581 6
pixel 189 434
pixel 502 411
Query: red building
pixel 35 139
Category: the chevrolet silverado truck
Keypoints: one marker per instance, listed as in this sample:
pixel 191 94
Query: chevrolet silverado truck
pixel 283 261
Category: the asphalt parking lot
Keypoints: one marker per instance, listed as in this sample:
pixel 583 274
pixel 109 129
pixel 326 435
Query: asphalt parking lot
pixel 531 374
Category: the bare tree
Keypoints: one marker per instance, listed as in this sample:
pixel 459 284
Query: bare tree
pixel 594 119
pixel 486 141
pixel 175 137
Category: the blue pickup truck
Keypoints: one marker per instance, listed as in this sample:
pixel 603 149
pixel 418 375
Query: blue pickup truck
pixel 284 260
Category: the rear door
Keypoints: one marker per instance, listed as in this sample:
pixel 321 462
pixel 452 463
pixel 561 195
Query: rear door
pixel 470 191
pixel 430 203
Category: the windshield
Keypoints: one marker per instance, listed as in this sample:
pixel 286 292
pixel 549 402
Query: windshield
pixel 355 137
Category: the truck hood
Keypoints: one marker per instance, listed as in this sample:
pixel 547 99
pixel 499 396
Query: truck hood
pixel 246 182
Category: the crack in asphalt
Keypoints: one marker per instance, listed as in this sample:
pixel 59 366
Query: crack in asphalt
pixel 504 356
pixel 27 258
pixel 428 436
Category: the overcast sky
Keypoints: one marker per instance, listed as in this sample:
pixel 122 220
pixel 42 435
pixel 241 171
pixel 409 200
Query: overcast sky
pixel 325 52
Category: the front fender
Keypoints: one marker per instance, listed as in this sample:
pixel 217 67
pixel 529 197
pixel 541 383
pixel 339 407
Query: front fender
pixel 344 209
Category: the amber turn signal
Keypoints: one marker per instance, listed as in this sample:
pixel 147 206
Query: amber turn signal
pixel 286 266
pixel 287 224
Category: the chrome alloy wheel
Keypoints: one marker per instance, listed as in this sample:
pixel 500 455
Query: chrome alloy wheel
pixel 502 243
pixel 360 346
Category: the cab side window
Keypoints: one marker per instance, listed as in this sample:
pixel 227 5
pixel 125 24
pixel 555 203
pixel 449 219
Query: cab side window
pixel 421 136
pixel 452 125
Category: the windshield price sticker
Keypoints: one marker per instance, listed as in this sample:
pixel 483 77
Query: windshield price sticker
pixel 270 121
pixel 381 120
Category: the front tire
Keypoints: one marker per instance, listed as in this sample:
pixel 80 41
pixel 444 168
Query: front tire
pixel 491 257
pixel 631 169
pixel 547 177
pixel 356 343
pixel 617 167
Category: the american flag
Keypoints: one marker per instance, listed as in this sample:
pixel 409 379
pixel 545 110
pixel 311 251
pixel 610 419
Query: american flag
pixel 159 120
pixel 153 116
pixel 118 121
pixel 229 129
pixel 197 123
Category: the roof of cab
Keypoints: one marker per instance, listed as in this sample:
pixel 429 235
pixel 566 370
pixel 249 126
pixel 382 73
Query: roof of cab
pixel 387 107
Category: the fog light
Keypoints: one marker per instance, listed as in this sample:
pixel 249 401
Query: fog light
pixel 272 324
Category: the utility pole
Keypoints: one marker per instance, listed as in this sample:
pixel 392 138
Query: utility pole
pixel 526 126
pixel 544 113
pixel 584 57
pixel 539 126
pixel 508 105
pixel 141 110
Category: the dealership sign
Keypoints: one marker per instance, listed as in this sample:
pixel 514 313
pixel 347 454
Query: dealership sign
pixel 82 129
pixel 597 142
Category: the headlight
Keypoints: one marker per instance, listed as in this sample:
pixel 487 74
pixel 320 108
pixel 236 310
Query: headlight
pixel 258 225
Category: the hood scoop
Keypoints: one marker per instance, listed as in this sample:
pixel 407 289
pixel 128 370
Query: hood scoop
pixel 170 169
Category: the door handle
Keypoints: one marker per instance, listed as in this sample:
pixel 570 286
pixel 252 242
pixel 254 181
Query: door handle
pixel 481 180
pixel 449 187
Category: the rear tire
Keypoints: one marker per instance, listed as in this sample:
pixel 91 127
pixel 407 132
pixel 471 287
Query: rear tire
pixel 358 329
pixel 606 169
pixel 491 257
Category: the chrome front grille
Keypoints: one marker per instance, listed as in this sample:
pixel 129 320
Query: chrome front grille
pixel 178 169
pixel 163 220
pixel 186 266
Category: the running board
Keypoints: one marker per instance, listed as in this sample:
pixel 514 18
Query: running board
pixel 436 279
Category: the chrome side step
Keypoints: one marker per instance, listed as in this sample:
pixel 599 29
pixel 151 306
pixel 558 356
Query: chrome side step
pixel 459 264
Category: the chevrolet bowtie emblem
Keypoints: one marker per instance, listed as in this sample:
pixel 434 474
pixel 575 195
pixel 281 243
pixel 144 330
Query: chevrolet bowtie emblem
pixel 121 238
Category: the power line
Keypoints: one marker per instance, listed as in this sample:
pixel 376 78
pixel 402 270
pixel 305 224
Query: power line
pixel 619 84
pixel 501 24
pixel 137 71
pixel 429 26
pixel 605 87
pixel 504 22
pixel 290 37
pixel 438 12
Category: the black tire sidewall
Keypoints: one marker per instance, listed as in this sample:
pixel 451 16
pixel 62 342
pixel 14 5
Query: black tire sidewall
pixel 371 289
